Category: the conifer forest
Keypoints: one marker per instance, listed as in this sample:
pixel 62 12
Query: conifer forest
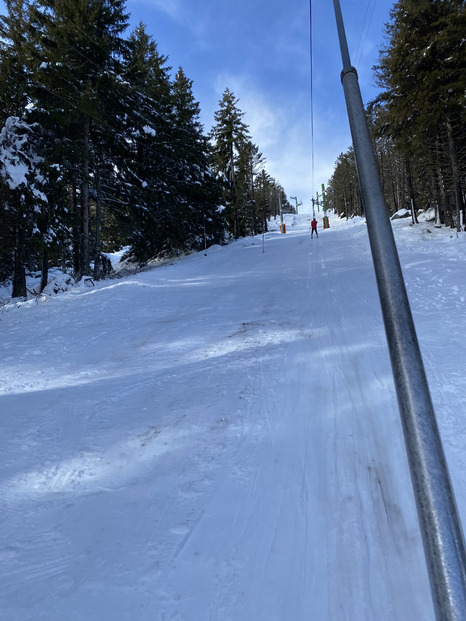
pixel 101 146
pixel 418 121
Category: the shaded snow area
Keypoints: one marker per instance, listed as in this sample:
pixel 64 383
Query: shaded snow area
pixel 218 439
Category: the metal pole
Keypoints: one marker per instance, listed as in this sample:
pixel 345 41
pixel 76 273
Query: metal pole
pixel 438 515
pixel 281 213
pixel 205 238
pixel 324 198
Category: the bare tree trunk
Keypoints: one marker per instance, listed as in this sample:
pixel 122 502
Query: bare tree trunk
pixel 19 273
pixel 264 211
pixel 439 215
pixel 412 198
pixel 44 276
pixel 233 191
pixel 456 176
pixel 402 184
pixel 345 202
pixel 76 227
pixel 395 202
pixel 444 202
pixel 253 203
pixel 98 217
pixel 84 265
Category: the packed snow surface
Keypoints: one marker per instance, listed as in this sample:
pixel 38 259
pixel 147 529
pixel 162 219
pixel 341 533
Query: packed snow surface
pixel 219 439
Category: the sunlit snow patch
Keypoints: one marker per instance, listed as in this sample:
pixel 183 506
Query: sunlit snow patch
pixel 93 472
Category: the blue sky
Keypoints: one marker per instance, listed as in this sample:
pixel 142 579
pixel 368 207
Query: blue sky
pixel 259 49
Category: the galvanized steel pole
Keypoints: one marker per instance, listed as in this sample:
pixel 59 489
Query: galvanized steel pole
pixel 438 515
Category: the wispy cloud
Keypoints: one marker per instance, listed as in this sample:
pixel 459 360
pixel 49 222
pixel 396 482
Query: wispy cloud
pixel 283 133
pixel 170 7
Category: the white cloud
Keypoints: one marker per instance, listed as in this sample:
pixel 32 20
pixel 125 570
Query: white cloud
pixel 282 131
pixel 170 7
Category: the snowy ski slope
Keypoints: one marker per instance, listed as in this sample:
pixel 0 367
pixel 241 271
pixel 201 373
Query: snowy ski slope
pixel 218 439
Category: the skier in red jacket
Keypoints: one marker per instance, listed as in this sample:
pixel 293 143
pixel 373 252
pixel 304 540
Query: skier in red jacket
pixel 314 228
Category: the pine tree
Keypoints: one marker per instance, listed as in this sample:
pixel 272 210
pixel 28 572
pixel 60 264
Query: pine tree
pixel 14 60
pixel 229 135
pixel 264 190
pixel 150 169
pixel 343 188
pixel 198 191
pixel 250 162
pixel 391 162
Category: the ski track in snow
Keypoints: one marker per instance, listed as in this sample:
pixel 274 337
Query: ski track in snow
pixel 219 439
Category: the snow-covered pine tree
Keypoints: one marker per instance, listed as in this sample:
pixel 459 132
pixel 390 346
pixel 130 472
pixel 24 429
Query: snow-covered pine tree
pixel 23 198
pixel 78 45
pixel 27 241
pixel 13 100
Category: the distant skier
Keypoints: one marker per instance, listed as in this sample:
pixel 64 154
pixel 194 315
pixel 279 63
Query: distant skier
pixel 314 228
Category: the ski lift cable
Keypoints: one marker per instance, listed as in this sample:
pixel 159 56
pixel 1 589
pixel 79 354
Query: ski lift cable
pixel 364 31
pixel 312 94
